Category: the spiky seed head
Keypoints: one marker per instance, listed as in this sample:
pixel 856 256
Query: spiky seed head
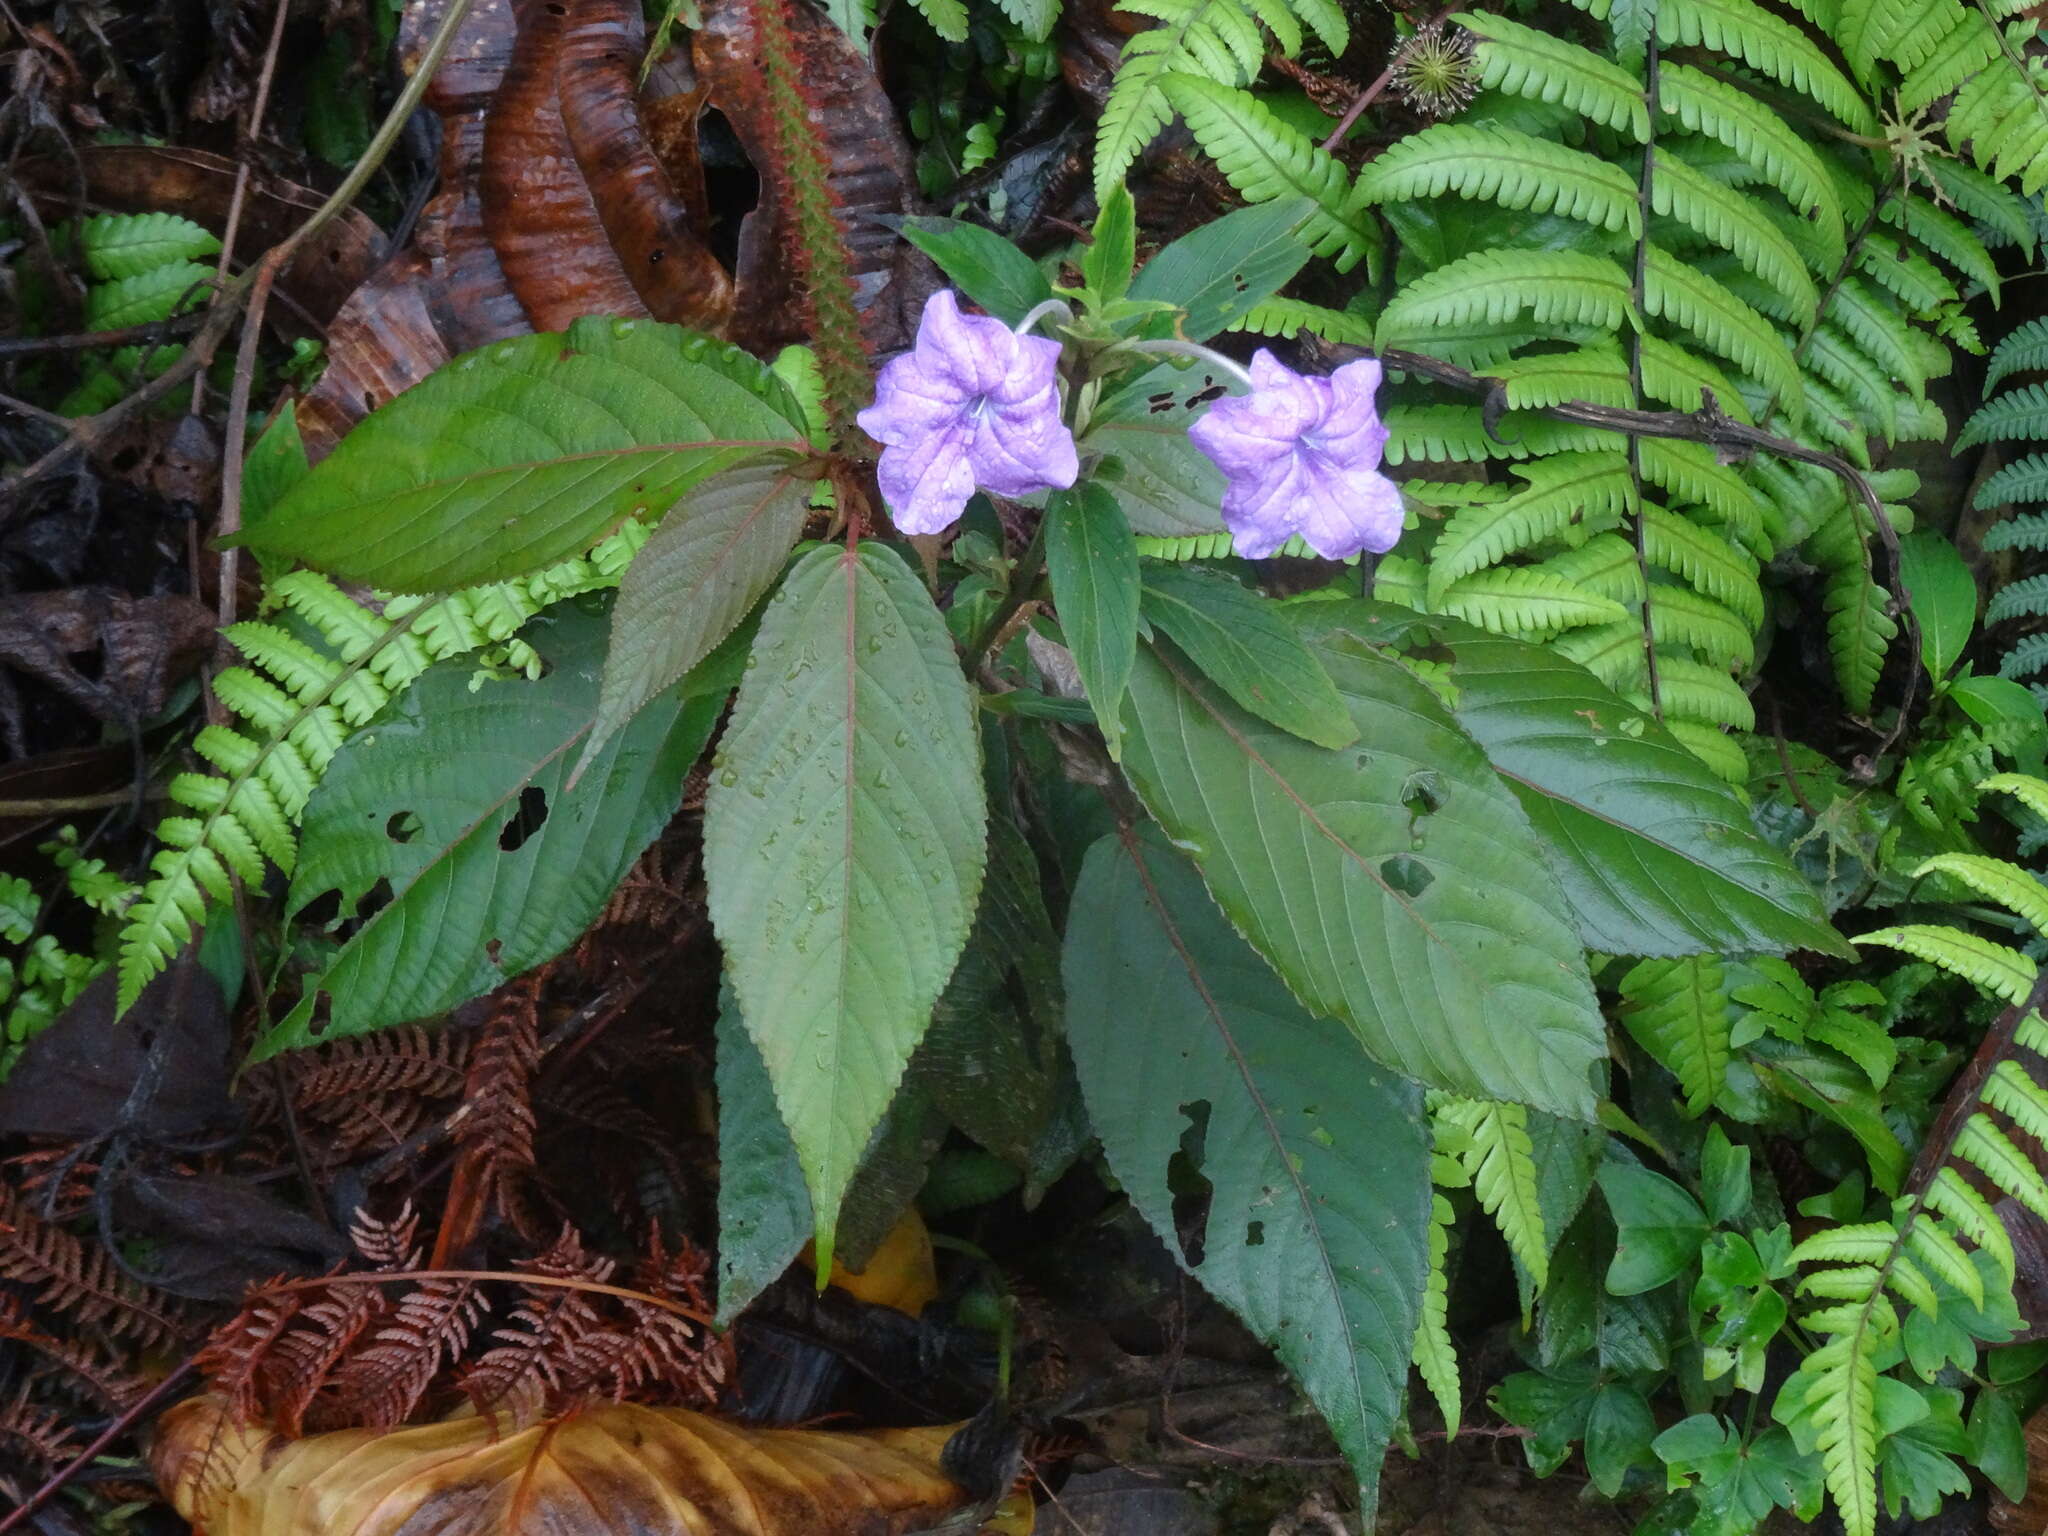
pixel 1434 70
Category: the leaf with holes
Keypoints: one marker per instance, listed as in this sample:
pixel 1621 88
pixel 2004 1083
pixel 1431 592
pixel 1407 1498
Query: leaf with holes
pixel 527 452
pixel 1167 486
pixel 715 553
pixel 1656 854
pixel 1315 1157
pixel 1394 884
pixel 456 798
pixel 844 842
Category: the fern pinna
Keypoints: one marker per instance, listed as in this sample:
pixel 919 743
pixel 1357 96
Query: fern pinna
pixel 1647 233
pixel 323 670
pixel 2017 417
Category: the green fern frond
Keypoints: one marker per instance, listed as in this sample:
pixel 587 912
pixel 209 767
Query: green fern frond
pixel 1542 66
pixel 1768 44
pixel 1946 236
pixel 1902 271
pixel 1689 299
pixel 1500 1160
pixel 1457 434
pixel 1859 632
pixel 2023 787
pixel 1879 330
pixel 1726 217
pixel 1869 30
pixel 1679 1011
pixel 1486 162
pixel 292 717
pixel 1596 374
pixel 2023 599
pixel 1957 1200
pixel 1761 137
pixel 1436 1358
pixel 1713 566
pixel 2021 414
pixel 2024 350
pixel 1997 968
pixel 1999 119
pixel 122 245
pixel 1548 287
pixel 2028 530
pixel 1963 50
pixel 150 295
pixel 1690 473
pixel 1995 880
pixel 1691 690
pixel 1526 603
pixel 1678 378
pixel 1986 199
pixel 1290 317
pixel 1564 491
pixel 1866 388
pixel 1604 565
pixel 1681 616
pixel 1266 158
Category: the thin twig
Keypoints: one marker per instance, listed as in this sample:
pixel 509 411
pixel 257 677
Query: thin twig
pixel 265 275
pixel 157 331
pixel 64 805
pixel 1372 93
pixel 130 1417
pixel 240 195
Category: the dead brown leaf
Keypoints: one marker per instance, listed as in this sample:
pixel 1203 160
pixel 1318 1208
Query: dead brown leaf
pixel 604 1471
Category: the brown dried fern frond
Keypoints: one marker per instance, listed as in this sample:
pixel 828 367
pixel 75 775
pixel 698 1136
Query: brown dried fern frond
pixel 237 1362
pixel 541 1355
pixel 302 1393
pixel 384 1383
pixel 77 1277
pixel 411 1061
pixel 78 1360
pixel 34 1435
pixel 389 1244
pixel 496 1127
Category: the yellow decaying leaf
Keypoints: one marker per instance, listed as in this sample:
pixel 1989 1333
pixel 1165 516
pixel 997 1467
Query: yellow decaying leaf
pixel 901 1274
pixel 609 1470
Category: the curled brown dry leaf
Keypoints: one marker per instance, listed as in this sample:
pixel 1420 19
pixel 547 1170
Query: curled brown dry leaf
pixel 604 1471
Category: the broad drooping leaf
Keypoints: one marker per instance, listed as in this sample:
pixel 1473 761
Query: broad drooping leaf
pixel 1656 854
pixel 527 452
pixel 718 550
pixel 457 798
pixel 1315 1157
pixel 844 846
pixel 1394 884
pixel 611 1468
pixel 1094 570
pixel 764 1214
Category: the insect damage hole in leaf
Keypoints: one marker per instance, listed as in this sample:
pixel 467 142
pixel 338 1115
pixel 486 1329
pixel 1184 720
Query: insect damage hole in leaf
pixel 527 820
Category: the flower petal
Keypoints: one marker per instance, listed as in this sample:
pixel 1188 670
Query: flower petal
pixel 1343 512
pixel 1024 448
pixel 926 481
pixel 909 402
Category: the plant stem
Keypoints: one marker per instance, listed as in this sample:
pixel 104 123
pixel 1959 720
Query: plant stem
pixel 1023 577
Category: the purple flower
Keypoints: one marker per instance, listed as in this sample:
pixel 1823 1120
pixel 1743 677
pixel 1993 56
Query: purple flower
pixel 972 404
pixel 1302 455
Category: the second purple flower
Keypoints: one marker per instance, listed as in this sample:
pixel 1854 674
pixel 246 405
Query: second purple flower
pixel 1301 456
pixel 973 404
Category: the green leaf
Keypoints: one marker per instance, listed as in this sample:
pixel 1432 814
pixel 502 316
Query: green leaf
pixel 1243 645
pixel 1167 486
pixel 529 451
pixel 1657 855
pixel 1998 1443
pixel 118 245
pixel 439 798
pixel 1188 1046
pixel 1395 885
pixel 1223 270
pixel 1660 1229
pixel 982 264
pixel 696 577
pixel 992 1059
pixel 1944 597
pixel 1113 251
pixel 1094 569
pixel 151 295
pixel 1618 1434
pixel 764 1216
pixel 1678 1011
pixel 844 844
pixel 1724 1177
